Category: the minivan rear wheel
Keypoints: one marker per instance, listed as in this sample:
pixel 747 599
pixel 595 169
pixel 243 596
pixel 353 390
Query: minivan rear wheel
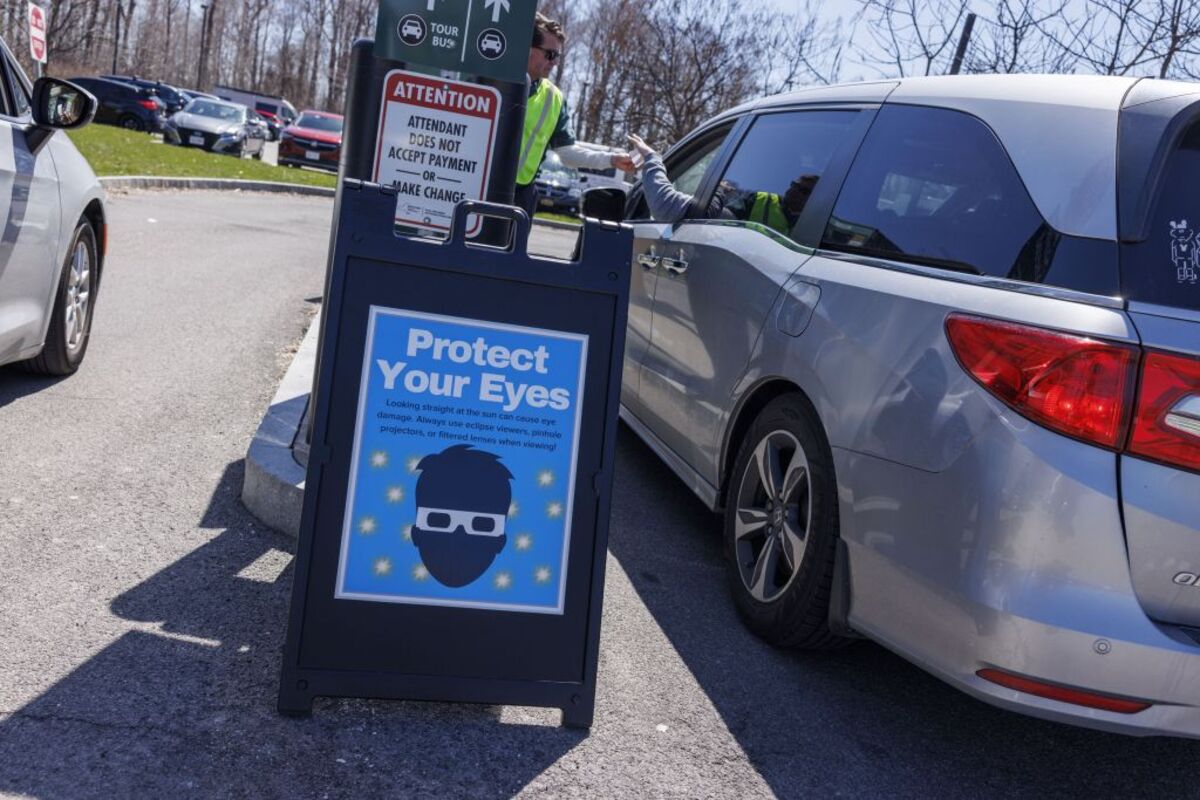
pixel 781 527
pixel 131 123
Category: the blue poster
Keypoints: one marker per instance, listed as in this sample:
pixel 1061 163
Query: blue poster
pixel 463 468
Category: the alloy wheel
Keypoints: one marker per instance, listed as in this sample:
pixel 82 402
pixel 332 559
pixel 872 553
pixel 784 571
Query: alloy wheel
pixel 79 292
pixel 773 516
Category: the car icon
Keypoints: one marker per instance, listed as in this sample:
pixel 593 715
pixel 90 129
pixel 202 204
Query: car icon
pixel 411 29
pixel 491 43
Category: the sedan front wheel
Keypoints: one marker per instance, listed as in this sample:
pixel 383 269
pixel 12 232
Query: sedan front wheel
pixel 71 319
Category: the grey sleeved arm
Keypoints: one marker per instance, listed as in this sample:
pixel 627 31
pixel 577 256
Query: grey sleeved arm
pixel 667 204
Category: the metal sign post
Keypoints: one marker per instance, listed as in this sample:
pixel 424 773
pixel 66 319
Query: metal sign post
pixel 456 507
pixel 37 35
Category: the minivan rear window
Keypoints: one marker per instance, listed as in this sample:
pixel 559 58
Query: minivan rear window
pixel 1165 268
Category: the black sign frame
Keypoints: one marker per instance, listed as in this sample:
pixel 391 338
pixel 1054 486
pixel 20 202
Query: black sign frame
pixel 354 648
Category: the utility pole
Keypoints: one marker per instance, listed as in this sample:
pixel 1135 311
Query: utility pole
pixel 116 37
pixel 583 111
pixel 962 44
pixel 203 39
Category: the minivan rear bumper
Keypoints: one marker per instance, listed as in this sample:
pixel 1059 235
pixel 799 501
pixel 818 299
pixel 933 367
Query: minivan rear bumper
pixel 1014 558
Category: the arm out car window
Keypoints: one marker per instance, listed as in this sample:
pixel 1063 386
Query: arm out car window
pixel 1165 268
pixel 686 169
pixel 778 164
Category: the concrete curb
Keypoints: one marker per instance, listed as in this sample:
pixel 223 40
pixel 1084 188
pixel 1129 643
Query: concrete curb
pixel 221 184
pixel 273 486
pixel 236 184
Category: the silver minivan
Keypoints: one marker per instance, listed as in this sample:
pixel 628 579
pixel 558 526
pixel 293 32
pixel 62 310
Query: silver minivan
pixel 932 346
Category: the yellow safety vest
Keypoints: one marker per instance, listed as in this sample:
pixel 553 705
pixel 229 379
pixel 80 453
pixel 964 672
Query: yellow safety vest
pixel 767 210
pixel 541 118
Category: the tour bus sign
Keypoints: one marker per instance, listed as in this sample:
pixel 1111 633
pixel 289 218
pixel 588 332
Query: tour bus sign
pixel 435 146
pixel 485 38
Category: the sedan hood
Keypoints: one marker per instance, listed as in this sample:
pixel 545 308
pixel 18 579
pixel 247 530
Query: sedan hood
pixel 205 124
pixel 315 135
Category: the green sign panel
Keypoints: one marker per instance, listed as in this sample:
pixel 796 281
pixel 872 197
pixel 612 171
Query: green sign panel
pixel 489 38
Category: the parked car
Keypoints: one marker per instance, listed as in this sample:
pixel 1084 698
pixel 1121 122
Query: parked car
pixel 131 107
pixel 278 112
pixel 55 228
pixel 217 126
pixel 192 94
pixel 558 187
pixel 172 97
pixel 314 140
pixel 932 346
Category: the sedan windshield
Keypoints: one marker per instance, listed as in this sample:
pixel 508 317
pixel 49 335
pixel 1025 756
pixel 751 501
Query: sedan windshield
pixel 319 123
pixel 207 108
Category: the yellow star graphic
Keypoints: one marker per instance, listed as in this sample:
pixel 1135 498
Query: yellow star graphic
pixel 379 459
pixel 411 464
pixel 395 494
pixel 545 478
pixel 503 580
pixel 367 525
pixel 513 509
pixel 542 575
pixel 554 510
pixel 524 541
pixel 419 573
pixel 407 533
pixel 383 567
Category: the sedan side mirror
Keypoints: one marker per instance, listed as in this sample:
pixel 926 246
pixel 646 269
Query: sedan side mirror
pixel 58 105
pixel 607 203
pixel 61 104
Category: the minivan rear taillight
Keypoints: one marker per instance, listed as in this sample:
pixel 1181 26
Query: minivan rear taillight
pixel 1166 425
pixel 148 104
pixel 1075 385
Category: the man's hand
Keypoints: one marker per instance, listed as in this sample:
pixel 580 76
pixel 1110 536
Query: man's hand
pixel 623 162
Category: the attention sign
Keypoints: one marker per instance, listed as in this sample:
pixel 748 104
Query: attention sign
pixel 37 33
pixel 463 470
pixel 435 146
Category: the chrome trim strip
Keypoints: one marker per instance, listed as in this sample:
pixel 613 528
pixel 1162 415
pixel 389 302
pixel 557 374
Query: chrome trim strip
pixel 989 281
pixel 1169 312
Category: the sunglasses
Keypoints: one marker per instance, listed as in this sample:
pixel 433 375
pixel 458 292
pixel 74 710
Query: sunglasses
pixel 551 55
pixel 446 520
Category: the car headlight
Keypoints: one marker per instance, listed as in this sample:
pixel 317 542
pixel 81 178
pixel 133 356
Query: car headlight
pixel 573 192
pixel 232 136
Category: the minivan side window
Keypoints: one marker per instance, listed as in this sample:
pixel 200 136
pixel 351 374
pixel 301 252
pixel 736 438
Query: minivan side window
pixel 935 186
pixel 777 166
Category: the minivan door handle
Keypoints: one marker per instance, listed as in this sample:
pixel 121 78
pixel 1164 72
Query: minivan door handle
pixel 648 260
pixel 675 265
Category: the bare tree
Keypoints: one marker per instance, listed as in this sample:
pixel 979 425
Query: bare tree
pixel 910 37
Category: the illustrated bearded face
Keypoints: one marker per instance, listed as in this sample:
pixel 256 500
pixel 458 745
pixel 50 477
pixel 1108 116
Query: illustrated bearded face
pixel 462 498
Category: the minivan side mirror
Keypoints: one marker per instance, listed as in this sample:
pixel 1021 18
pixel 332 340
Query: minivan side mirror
pixel 607 203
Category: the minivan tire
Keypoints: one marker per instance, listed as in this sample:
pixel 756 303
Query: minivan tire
pixel 131 123
pixel 60 355
pixel 781 527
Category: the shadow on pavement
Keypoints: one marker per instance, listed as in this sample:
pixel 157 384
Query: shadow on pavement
pixel 187 702
pixel 860 719
pixel 16 383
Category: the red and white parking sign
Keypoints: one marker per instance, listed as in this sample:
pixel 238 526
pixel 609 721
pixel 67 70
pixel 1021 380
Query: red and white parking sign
pixel 37 33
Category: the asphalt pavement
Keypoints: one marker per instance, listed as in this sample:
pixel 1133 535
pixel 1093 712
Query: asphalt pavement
pixel 142 609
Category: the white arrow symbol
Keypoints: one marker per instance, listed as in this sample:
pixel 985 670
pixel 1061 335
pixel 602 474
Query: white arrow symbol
pixel 496 6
